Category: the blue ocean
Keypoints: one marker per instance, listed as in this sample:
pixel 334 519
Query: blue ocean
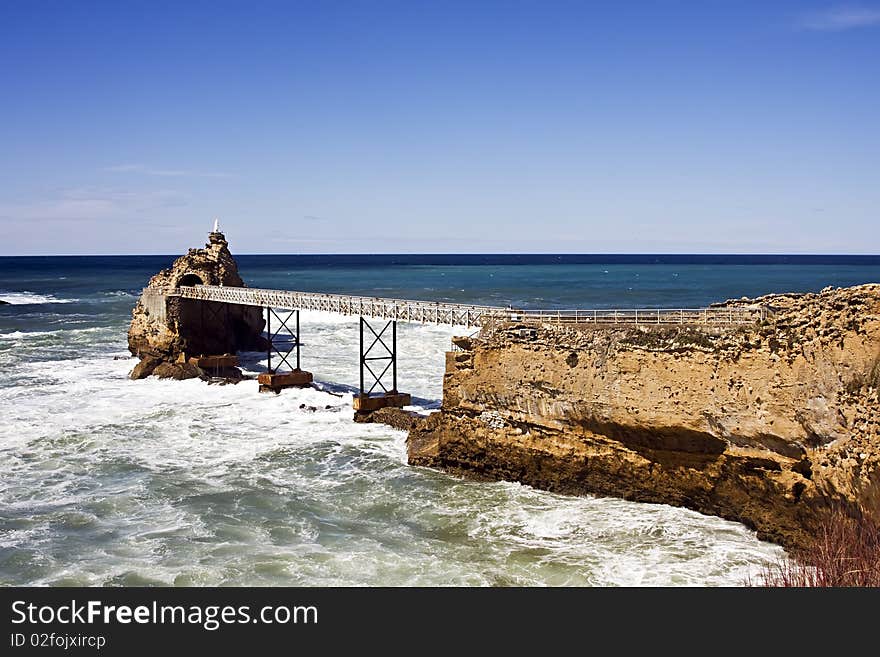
pixel 108 481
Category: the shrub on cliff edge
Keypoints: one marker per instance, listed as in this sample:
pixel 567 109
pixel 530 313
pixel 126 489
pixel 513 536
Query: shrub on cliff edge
pixel 844 552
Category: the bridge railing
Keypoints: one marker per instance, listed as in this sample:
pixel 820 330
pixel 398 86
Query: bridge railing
pixel 722 315
pixel 378 307
pixel 438 312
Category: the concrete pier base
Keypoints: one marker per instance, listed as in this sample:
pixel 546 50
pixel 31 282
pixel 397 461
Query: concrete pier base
pixel 368 403
pixel 210 362
pixel 277 382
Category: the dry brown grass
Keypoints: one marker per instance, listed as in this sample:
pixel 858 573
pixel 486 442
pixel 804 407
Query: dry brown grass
pixel 845 552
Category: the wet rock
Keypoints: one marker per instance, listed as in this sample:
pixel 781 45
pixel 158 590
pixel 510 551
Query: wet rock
pixel 393 417
pixel 145 367
pixel 178 371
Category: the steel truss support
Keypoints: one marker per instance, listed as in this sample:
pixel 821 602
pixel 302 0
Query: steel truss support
pixel 375 355
pixel 284 328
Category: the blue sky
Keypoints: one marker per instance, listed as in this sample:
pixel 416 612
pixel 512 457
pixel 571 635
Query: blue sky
pixel 454 127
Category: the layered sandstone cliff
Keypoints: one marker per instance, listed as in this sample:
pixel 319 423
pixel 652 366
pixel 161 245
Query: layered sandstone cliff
pixel 166 329
pixel 767 424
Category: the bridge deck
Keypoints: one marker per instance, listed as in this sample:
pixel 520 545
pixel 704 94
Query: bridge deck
pixel 438 312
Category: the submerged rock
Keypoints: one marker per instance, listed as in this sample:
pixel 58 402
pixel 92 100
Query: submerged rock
pixel 165 330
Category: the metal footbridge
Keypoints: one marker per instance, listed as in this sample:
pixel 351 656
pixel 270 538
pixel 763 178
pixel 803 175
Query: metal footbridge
pixel 457 314
pixel 378 345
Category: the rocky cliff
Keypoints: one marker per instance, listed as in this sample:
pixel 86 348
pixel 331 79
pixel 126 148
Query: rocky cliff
pixel 164 330
pixel 767 424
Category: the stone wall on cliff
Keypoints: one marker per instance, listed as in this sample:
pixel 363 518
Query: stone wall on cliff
pixel 766 424
pixel 163 328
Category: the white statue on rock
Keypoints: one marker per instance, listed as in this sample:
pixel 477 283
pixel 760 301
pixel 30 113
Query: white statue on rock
pixel 216 226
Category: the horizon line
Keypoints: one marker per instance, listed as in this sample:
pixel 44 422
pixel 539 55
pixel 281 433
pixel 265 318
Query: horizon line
pixel 445 253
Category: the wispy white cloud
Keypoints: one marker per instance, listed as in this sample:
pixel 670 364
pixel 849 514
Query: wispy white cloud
pixel 169 173
pixel 837 19
pixel 91 204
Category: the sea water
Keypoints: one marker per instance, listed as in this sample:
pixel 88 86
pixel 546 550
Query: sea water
pixel 108 481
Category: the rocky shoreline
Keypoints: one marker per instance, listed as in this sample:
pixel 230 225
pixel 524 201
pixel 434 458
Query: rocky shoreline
pixel 768 424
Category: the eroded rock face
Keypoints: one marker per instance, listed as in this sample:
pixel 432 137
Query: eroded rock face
pixel 766 424
pixel 162 328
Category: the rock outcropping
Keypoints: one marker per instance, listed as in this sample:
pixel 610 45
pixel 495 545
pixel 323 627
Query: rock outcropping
pixel 166 330
pixel 768 424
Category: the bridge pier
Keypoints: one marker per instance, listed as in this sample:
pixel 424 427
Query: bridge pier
pixel 377 353
pixel 272 380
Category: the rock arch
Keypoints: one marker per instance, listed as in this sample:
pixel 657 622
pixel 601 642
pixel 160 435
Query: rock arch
pixel 189 279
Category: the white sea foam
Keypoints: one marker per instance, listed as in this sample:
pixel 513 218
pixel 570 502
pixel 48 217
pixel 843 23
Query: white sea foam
pixel 29 298
pixel 105 480
pixel 23 335
pixel 66 333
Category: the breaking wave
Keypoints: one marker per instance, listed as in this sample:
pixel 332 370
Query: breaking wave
pixel 29 298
